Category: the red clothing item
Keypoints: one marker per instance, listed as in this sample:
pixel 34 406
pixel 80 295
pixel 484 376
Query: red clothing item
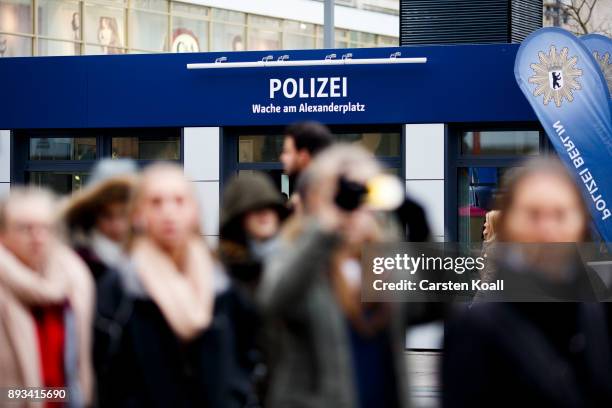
pixel 51 341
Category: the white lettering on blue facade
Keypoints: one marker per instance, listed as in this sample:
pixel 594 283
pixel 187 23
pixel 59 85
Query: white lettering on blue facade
pixel 323 87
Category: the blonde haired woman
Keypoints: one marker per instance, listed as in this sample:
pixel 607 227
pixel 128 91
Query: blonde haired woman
pixel 489 235
pixel 489 230
pixel 170 352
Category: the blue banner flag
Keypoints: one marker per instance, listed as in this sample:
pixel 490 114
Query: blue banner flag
pixel 566 89
pixel 601 48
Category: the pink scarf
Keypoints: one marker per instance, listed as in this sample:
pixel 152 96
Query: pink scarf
pixel 64 279
pixel 186 297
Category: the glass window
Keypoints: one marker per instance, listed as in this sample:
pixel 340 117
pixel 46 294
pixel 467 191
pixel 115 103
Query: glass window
pixel 229 16
pixel 298 42
pixel 15 46
pixel 478 190
pixel 189 28
pixel 58 181
pixel 52 47
pixel 63 163
pixel 146 148
pixel 189 35
pixel 259 148
pixel 484 156
pixel 104 27
pixel 62 148
pixel 500 143
pixel 157 5
pixel 261 152
pixel 298 35
pixel 381 144
pixel 264 33
pixel 359 39
pixel 385 41
pixel 341 38
pixel 228 31
pixel 189 10
pixel 267 148
pixel 16 16
pixel 59 19
pixel 148 31
pixel 319 39
pixel 297 27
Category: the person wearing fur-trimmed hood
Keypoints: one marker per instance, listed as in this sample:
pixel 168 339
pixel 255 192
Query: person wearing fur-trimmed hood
pixel 96 218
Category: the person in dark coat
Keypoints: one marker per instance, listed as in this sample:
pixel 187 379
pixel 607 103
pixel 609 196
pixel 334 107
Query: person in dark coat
pixel 96 218
pixel 412 218
pixel 159 342
pixel 251 216
pixel 537 354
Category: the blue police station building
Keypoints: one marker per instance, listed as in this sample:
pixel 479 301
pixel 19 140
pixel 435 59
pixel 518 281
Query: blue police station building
pixel 449 126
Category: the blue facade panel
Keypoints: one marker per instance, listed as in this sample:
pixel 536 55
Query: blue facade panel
pixel 460 83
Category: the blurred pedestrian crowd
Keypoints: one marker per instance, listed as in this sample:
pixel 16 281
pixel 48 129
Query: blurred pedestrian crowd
pixel 115 294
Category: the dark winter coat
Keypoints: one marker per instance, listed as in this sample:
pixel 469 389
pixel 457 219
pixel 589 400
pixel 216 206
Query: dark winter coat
pixel 535 354
pixel 244 266
pixel 413 220
pixel 140 362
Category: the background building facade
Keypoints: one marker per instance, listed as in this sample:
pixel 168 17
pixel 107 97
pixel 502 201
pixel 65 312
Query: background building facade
pixel 86 27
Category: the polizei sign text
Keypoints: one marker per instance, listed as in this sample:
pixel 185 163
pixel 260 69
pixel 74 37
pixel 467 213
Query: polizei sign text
pixel 288 95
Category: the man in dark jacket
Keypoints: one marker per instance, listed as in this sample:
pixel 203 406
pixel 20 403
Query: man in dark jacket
pixel 303 141
pixel 412 218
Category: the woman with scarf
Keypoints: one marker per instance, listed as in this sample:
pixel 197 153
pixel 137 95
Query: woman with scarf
pixel 164 346
pixel 46 303
pixel 550 347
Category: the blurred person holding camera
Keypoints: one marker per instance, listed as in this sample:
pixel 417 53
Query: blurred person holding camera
pixel 333 350
pixel 46 302
pixel 96 218
pixel 161 344
pixel 538 353
pixel 251 217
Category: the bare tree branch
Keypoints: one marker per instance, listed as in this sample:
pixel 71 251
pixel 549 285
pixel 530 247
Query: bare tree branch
pixel 579 13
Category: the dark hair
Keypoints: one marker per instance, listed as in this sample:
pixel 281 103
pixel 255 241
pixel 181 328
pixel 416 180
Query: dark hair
pixel 541 165
pixel 312 136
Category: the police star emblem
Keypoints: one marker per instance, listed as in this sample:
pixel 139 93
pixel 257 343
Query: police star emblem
pixel 605 63
pixel 556 76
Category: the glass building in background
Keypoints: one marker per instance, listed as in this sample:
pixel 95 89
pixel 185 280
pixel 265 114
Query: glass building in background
pixel 93 27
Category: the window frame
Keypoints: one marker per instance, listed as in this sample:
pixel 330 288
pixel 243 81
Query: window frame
pixel 20 147
pixel 455 160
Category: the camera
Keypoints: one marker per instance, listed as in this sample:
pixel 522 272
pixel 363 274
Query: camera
pixel 383 192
